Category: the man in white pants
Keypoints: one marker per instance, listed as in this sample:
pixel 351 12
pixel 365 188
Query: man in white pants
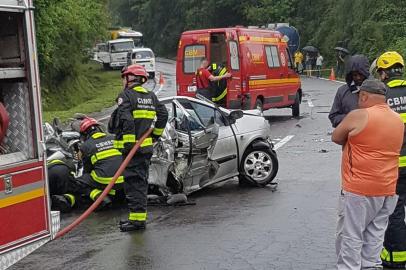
pixel 372 137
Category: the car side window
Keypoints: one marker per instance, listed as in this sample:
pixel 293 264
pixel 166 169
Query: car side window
pixel 205 115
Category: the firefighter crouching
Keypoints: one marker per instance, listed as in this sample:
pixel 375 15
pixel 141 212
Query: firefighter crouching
pixel 137 109
pixel 390 70
pixel 100 162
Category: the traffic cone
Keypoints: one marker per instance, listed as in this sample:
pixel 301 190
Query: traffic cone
pixel 161 79
pixel 332 75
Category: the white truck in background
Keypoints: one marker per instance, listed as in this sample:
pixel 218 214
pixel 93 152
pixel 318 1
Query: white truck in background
pixel 113 53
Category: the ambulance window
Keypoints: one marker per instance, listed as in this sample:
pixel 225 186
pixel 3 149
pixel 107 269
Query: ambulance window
pixel 192 57
pixel 235 62
pixel 272 56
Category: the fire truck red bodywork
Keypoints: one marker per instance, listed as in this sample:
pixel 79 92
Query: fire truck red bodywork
pixel 258 59
pixel 25 216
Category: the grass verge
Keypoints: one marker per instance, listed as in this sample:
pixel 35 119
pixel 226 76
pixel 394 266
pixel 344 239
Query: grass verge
pixel 91 91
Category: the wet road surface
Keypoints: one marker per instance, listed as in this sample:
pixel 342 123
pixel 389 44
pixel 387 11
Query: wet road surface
pixel 229 227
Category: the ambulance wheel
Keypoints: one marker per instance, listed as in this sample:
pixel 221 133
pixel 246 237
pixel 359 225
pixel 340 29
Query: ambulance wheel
pixel 259 105
pixel 296 106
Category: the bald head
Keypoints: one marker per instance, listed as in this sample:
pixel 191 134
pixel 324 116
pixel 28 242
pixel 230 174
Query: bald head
pixel 367 99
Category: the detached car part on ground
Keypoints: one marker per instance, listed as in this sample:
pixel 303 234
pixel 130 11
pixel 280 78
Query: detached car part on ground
pixel 203 144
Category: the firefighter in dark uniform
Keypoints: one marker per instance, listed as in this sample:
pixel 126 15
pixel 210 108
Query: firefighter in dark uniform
pixel 61 175
pixel 390 70
pixel 219 87
pixel 137 109
pixel 100 162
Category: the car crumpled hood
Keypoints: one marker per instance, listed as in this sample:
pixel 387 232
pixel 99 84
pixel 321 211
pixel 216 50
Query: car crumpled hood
pixel 252 122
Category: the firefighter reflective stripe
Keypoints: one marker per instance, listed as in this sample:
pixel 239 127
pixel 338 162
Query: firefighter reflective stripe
pixel 104 154
pixel 402 161
pixel 137 216
pixel 147 142
pixel 71 199
pixel 98 135
pixel 144 114
pixel 403 116
pixel 158 131
pixel 94 194
pixel 397 256
pixel 105 180
pixel 140 89
pixel 223 94
pixel 127 138
pixel 55 161
pixel 120 144
pixel 396 83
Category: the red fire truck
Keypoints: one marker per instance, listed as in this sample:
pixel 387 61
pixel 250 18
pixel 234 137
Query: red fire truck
pixel 26 221
pixel 259 60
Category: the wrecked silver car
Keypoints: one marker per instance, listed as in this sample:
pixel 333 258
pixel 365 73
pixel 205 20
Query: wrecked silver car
pixel 204 144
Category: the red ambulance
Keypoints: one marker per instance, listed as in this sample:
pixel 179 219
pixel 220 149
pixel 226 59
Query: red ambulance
pixel 262 69
pixel 26 221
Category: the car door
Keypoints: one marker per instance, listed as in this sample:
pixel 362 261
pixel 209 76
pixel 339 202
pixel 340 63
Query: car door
pixel 222 148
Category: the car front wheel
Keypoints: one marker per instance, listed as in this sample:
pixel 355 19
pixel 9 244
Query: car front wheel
pixel 258 167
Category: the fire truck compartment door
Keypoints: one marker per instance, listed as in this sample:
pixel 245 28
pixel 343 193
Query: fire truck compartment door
pixel 23 207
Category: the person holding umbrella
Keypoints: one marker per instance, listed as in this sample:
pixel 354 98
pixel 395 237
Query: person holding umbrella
pixel 341 55
pixel 311 51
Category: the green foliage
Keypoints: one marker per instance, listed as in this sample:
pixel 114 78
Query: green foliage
pixel 90 91
pixel 65 30
pixel 369 27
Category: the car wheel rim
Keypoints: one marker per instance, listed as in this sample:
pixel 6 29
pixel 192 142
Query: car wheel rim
pixel 258 165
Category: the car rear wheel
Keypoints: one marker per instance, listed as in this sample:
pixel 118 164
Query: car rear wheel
pixel 259 105
pixel 296 106
pixel 258 167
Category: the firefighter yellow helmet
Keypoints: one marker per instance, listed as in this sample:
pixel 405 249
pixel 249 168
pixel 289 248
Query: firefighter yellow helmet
pixel 389 59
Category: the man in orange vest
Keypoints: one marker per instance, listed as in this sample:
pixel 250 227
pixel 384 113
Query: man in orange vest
pixel 369 172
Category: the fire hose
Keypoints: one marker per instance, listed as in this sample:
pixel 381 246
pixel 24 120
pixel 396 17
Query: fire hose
pixel 108 187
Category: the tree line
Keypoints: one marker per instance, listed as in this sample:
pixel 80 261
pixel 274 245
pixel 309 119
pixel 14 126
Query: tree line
pixel 67 29
pixel 369 27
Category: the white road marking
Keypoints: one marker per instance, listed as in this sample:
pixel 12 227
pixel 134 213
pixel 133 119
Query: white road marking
pixel 310 103
pixel 331 80
pixel 283 141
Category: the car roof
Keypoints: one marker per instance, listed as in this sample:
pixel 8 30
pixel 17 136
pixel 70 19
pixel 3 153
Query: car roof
pixel 141 50
pixel 120 40
pixel 194 100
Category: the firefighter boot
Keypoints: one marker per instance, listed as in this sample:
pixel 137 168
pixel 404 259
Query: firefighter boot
pixel 61 203
pixel 132 225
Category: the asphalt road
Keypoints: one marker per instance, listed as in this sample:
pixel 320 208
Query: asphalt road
pixel 229 227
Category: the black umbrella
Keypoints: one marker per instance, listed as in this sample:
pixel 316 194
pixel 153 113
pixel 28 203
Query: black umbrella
pixel 310 49
pixel 341 49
